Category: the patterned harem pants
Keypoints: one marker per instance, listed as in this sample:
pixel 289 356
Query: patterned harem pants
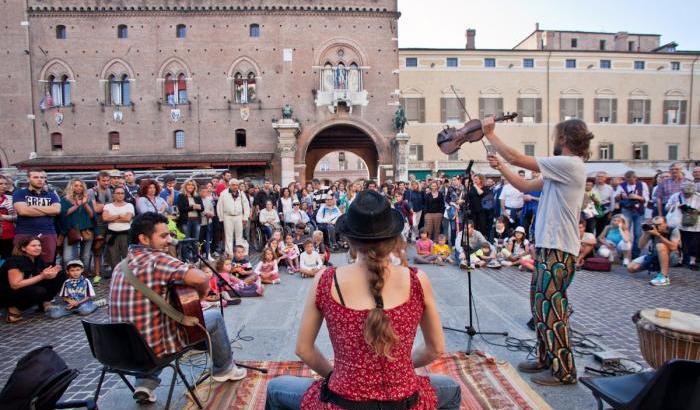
pixel 554 272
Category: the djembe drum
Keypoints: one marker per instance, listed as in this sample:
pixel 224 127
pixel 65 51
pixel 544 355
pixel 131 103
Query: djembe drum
pixel 663 339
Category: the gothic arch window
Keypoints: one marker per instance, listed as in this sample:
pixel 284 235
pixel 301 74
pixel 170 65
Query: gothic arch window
pixel 328 77
pixel 179 139
pixel 57 92
pixel 122 31
pixel 244 87
pixel 175 87
pixel 354 78
pixel 119 90
pixel 254 30
pixel 61 32
pixel 341 77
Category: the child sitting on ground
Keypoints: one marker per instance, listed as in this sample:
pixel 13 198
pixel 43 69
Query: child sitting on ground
pixel 484 257
pixel 212 298
pixel 241 266
pixel 249 287
pixel 310 262
pixel 77 293
pixel 321 248
pixel 442 251
pixel 266 269
pixel 424 249
pixel 291 253
pixel 519 248
pixel 274 246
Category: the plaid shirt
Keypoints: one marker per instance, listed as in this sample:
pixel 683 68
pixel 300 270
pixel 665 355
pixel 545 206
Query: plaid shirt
pixel 667 188
pixel 156 269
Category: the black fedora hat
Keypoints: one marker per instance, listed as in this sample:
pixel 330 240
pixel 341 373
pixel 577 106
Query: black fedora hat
pixel 370 216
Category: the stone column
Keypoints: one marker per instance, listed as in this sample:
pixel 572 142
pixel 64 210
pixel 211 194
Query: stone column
pixel 401 160
pixel 287 131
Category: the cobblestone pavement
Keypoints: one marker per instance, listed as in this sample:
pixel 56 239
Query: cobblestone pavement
pixel 603 302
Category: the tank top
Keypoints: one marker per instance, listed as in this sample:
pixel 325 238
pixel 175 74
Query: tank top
pixel 358 373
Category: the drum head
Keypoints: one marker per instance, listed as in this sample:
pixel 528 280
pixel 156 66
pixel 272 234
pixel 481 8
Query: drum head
pixel 681 322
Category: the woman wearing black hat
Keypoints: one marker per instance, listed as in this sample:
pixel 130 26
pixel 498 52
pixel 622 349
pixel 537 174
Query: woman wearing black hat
pixel 372 310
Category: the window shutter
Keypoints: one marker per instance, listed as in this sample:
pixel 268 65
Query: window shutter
pixel 402 101
pixel 538 110
pixel 421 110
pixel 443 110
pixel 645 151
pixel 519 107
pixel 561 109
pixel 579 108
pixel 681 116
pixel 181 83
pixel 647 111
pixel 667 106
pixel 613 111
pixel 499 107
pixel 419 152
pixel 481 108
pixel 630 103
pixel 596 110
pixel 611 154
pixel 462 114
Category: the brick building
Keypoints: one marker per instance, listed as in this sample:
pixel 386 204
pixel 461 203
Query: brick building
pixel 197 84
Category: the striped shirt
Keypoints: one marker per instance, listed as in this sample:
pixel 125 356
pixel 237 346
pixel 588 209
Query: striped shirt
pixel 155 269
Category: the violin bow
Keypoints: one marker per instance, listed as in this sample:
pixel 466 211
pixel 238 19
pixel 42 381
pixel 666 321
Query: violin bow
pixel 464 108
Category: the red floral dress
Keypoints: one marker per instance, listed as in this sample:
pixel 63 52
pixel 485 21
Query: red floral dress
pixel 359 374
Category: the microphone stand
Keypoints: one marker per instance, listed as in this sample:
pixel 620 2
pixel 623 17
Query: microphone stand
pixel 469 330
pixel 221 282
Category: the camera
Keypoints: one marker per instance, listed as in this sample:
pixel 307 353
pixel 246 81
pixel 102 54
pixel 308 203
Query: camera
pixel 647 227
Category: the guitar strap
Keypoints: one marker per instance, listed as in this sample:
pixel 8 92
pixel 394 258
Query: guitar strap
pixel 162 304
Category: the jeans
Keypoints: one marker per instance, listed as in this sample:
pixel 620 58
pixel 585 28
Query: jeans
pixel 329 230
pixel 285 392
pixel 62 310
pixel 207 235
pixel 221 355
pixel 80 250
pixel 634 220
pixel 191 230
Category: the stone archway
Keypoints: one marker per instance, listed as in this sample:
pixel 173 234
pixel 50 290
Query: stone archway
pixel 341 137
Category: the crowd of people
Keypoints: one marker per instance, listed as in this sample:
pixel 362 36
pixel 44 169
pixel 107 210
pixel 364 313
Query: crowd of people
pixel 622 219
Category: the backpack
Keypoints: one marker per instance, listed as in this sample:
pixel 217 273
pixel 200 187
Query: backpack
pixel 38 381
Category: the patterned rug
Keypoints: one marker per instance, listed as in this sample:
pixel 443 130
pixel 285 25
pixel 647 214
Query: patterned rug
pixel 486 384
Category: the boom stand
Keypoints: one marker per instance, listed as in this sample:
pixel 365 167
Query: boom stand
pixel 469 330
pixel 221 283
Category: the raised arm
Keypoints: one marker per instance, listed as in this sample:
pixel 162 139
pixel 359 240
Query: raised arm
pixel 510 154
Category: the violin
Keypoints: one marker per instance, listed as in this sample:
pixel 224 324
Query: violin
pixel 451 139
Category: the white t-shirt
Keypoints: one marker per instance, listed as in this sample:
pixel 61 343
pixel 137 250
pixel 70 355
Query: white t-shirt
pixel 512 197
pixel 310 261
pixel 556 224
pixel 113 210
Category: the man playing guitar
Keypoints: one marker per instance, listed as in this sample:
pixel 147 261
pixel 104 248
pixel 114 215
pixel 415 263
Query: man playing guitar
pixel 150 262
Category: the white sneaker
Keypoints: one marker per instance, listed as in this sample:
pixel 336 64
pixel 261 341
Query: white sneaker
pixel 144 395
pixel 236 373
pixel 625 262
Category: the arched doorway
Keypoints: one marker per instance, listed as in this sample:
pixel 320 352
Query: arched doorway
pixel 343 138
pixel 341 165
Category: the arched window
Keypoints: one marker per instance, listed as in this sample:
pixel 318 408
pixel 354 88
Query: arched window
pixel 244 88
pixel 113 141
pixel 122 31
pixel 354 78
pixel 56 141
pixel 255 30
pixel 181 31
pixel 58 91
pixel 119 90
pixel 341 77
pixel 240 138
pixel 328 80
pixel 175 89
pixel 179 139
pixel 61 32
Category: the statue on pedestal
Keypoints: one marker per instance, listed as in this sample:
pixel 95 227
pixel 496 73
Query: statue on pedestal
pixel 287 112
pixel 400 119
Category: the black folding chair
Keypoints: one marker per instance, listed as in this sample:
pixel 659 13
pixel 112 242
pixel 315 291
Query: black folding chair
pixel 674 386
pixel 121 349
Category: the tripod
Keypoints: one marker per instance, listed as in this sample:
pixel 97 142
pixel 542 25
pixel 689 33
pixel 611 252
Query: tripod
pixel 222 283
pixel 469 330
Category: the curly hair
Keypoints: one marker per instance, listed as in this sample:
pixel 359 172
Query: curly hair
pixel 143 189
pixel 574 134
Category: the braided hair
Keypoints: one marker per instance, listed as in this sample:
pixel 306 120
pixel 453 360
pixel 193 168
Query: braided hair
pixel 378 332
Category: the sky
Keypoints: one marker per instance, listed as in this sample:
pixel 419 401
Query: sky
pixel 503 23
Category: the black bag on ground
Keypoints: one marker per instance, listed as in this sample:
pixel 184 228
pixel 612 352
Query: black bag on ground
pixel 38 381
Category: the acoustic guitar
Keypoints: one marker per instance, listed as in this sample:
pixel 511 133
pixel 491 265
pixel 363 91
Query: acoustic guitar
pixel 186 300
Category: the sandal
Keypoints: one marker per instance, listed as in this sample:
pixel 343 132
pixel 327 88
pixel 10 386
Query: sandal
pixel 13 317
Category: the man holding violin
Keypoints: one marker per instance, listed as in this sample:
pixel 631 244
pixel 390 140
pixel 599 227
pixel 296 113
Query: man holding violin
pixel 562 182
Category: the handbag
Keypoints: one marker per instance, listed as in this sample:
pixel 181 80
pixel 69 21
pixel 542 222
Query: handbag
pixel 73 235
pixel 674 217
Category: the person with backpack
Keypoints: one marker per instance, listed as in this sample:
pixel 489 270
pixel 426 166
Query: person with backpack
pixel 633 196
